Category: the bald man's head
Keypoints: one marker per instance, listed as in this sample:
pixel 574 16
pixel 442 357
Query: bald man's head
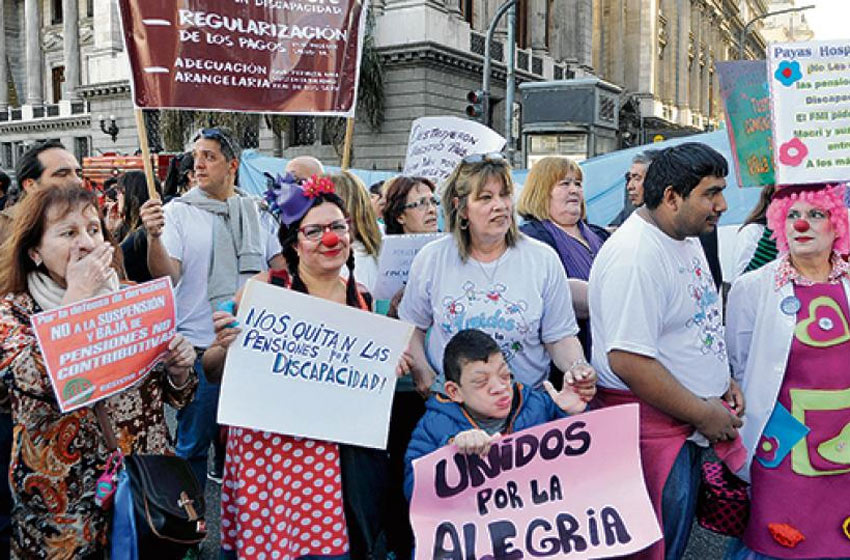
pixel 304 167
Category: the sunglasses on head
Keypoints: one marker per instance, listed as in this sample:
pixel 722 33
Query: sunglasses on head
pixel 497 158
pixel 220 136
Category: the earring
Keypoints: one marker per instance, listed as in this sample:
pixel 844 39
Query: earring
pixel 37 261
pixel 464 223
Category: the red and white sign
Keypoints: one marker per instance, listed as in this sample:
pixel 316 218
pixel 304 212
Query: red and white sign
pixel 281 56
pixel 100 346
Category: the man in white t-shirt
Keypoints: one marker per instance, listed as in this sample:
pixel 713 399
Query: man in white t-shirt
pixel 209 241
pixel 658 333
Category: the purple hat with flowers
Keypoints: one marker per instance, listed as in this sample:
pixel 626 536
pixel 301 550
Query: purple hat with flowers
pixel 289 199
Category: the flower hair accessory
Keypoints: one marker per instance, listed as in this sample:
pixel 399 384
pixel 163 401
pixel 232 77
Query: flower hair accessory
pixel 289 199
pixel 315 185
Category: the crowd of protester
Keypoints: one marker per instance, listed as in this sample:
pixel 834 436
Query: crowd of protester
pixel 524 312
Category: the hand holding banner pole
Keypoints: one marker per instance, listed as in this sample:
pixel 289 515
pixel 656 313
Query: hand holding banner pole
pixel 146 152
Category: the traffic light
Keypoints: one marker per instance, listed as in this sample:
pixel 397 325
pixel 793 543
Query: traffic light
pixel 477 105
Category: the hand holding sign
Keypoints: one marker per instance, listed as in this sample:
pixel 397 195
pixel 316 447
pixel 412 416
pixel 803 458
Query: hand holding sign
pixel 475 442
pixel 179 359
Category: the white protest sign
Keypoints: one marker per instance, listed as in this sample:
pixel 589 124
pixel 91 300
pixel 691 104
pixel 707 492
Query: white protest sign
pixel 308 367
pixel 437 144
pixel 810 106
pixel 397 252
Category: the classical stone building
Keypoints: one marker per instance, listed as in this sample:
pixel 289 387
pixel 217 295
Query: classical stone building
pixel 64 73
pixel 663 53
pixel 786 27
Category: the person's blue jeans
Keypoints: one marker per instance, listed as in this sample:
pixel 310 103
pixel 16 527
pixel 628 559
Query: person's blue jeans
pixel 679 500
pixel 197 426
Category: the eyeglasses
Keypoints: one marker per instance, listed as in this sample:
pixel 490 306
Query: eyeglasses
pixel 496 158
pixel 423 203
pixel 219 135
pixel 314 232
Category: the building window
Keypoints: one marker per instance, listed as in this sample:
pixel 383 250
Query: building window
pixel 7 156
pixel 56 10
pixel 522 24
pixel 90 8
pixel 82 147
pixel 303 131
pixel 466 9
pixel 57 78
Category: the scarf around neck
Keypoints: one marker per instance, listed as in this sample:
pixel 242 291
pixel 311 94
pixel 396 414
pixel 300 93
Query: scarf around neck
pixel 48 294
pixel 236 243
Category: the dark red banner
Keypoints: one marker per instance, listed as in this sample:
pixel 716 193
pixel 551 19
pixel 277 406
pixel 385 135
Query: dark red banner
pixel 280 56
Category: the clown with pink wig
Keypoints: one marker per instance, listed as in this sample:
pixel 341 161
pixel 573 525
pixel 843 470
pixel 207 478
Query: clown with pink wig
pixel 788 336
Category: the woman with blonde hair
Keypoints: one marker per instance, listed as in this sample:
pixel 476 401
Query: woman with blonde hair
pixel 364 226
pixel 552 203
pixel 489 276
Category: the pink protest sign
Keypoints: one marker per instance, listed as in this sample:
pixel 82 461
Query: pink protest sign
pixel 573 487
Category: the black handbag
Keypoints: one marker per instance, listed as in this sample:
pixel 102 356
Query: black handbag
pixel 167 500
pixel 168 503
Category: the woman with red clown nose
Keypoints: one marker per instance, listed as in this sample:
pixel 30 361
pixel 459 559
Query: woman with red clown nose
pixel 788 336
pixel 264 506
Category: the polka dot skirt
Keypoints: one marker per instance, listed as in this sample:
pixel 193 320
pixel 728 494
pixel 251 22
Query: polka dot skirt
pixel 281 497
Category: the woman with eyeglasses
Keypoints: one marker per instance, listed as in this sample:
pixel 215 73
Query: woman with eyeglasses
pixel 552 203
pixel 788 341
pixel 410 205
pixel 316 237
pixel 365 234
pixel 487 275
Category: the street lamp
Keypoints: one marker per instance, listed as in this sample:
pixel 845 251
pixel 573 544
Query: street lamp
pixel 746 28
pixel 112 129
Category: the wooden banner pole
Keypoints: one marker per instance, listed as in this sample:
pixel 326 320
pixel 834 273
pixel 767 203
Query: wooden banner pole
pixel 146 153
pixel 346 147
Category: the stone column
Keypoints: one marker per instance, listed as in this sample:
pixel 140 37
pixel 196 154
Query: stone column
pixel 696 29
pixel 539 20
pixel 4 74
pixel 32 17
pixel 683 40
pixel 71 32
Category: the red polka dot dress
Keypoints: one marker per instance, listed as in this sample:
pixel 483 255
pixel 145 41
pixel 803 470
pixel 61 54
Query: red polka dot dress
pixel 281 497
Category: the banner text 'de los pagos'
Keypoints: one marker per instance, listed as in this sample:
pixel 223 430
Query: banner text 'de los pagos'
pixel 293 56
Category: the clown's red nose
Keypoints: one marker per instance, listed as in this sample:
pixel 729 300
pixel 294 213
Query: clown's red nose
pixel 801 225
pixel 330 239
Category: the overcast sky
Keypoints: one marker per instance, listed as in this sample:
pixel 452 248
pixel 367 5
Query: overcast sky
pixel 830 19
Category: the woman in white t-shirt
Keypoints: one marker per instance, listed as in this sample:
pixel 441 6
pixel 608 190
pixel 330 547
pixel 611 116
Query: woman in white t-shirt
pixel 487 275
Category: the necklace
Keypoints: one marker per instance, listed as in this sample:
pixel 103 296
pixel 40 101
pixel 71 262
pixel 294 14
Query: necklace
pixel 492 275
